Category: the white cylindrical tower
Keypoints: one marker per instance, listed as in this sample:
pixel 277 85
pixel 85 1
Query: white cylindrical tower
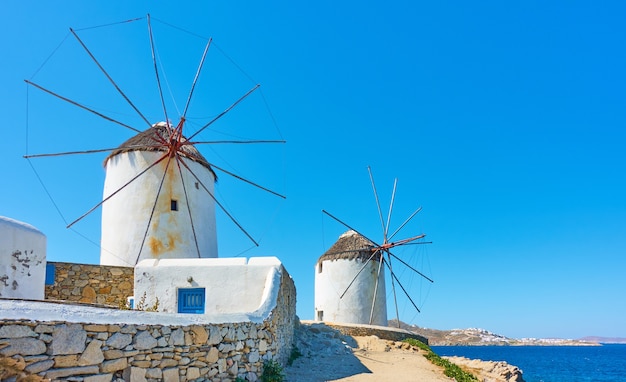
pixel 149 215
pixel 334 272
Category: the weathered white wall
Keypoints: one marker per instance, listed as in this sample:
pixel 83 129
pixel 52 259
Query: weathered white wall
pixel 355 306
pixel 125 216
pixel 233 285
pixel 22 260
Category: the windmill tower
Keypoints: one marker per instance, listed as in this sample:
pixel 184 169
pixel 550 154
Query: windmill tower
pixel 167 212
pixel 364 301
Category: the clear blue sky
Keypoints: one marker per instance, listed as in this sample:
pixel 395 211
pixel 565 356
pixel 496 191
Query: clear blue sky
pixel 504 121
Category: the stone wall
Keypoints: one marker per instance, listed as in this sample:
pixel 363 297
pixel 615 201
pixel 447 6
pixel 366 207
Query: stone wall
pixel 98 352
pixel 383 332
pixel 95 284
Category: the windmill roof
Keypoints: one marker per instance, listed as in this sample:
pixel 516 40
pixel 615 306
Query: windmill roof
pixel 349 246
pixel 148 140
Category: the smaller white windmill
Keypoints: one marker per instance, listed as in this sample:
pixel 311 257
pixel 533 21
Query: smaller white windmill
pixel 349 277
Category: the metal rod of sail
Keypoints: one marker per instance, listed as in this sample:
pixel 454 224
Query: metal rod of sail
pixel 405 222
pixel 109 77
pixel 220 205
pixel 410 267
pixel 195 79
pixel 118 190
pixel 393 275
pixel 393 197
pixel 248 181
pixel 193 227
pixel 358 273
pixel 380 213
pixel 156 70
pixel 380 265
pixel 393 288
pixel 347 226
pixel 89 151
pixel 224 112
pixel 233 142
pixel 81 106
pixel 156 201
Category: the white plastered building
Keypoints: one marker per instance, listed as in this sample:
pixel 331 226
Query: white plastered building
pixel 342 294
pixel 22 260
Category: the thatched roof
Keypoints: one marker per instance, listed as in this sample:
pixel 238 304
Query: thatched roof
pixel 148 140
pixel 350 246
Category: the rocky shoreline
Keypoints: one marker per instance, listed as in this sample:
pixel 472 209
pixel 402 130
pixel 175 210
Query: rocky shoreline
pixel 489 371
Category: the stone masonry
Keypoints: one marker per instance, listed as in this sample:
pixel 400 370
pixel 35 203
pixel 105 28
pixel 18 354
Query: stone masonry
pixel 70 351
pixel 94 284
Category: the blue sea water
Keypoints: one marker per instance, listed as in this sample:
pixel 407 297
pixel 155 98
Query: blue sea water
pixel 552 363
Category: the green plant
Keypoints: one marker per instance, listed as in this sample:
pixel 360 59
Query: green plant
pixel 450 370
pixel 295 354
pixel 272 372
pixel 239 379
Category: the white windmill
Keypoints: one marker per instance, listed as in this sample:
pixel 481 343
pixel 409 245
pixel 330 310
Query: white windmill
pixel 159 200
pixel 350 278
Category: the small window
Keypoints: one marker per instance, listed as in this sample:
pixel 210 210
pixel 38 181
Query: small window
pixel 174 205
pixel 319 268
pixel 320 315
pixel 50 273
pixel 191 300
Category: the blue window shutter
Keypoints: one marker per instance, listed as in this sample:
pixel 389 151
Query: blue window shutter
pixel 50 270
pixel 191 300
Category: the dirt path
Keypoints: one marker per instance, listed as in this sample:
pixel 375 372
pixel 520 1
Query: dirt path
pixel 330 356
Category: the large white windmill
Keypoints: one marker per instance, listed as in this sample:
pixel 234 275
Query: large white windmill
pixel 159 200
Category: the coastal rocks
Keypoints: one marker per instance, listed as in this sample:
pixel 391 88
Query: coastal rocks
pixel 489 371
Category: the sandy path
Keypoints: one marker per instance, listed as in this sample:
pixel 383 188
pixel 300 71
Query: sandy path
pixel 332 357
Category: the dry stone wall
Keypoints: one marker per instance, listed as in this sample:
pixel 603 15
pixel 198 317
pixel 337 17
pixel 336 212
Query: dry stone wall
pixel 88 352
pixel 385 333
pixel 94 284
pixel 70 351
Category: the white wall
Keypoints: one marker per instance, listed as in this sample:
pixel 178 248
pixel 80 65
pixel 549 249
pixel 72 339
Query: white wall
pixel 233 285
pixel 22 260
pixel 125 216
pixel 355 306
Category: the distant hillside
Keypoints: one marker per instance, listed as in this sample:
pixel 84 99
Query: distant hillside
pixel 482 337
pixel 605 340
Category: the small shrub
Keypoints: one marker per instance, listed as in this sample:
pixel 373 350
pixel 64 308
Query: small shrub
pixel 295 354
pixel 141 304
pixel 272 372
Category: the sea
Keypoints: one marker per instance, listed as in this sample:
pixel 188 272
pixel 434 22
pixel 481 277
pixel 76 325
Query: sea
pixel 552 363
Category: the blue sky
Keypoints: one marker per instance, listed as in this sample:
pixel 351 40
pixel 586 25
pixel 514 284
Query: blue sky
pixel 504 121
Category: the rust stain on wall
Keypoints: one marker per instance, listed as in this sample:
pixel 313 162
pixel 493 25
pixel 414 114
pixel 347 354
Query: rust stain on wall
pixel 164 234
